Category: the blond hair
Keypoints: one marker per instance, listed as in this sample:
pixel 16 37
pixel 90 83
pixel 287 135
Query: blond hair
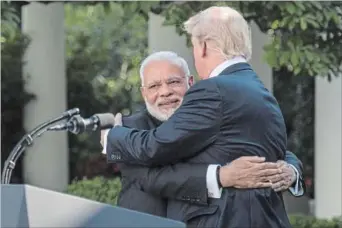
pixel 224 29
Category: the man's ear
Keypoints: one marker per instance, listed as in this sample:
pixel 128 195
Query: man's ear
pixel 191 80
pixel 204 49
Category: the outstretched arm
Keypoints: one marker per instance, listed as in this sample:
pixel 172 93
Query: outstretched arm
pixel 183 181
pixel 195 183
pixel 191 128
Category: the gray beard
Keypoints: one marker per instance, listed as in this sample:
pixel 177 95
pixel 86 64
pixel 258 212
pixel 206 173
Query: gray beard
pixel 157 114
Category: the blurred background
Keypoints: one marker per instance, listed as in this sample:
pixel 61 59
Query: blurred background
pixel 60 55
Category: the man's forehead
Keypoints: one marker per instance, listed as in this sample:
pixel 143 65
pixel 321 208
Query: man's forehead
pixel 161 70
pixel 161 77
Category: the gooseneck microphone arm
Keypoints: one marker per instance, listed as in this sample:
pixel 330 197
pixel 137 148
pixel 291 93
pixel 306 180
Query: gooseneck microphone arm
pixel 27 140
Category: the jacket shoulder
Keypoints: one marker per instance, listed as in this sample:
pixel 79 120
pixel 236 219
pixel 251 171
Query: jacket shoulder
pixel 208 85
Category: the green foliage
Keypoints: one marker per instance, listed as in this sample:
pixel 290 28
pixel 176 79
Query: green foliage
pixel 306 37
pixel 104 46
pixel 313 38
pixel 299 221
pixel 97 189
pixel 13 95
pixel 107 190
pixel 9 22
pixel 104 51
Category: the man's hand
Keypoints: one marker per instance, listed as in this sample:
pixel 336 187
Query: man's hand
pixel 118 119
pixel 249 172
pixel 104 133
pixel 284 180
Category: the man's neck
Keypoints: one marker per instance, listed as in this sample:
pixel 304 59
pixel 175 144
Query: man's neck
pixel 214 63
pixel 222 65
pixel 155 120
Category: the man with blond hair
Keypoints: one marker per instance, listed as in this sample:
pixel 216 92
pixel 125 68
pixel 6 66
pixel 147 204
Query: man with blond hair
pixel 227 115
pixel 165 78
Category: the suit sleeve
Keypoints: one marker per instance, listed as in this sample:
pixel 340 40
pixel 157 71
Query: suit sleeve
pixel 191 128
pixel 183 181
pixel 299 184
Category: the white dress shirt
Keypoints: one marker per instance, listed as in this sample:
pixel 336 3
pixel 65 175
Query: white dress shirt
pixel 218 70
pixel 214 191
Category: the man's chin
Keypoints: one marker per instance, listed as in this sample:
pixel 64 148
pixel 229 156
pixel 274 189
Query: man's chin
pixel 161 115
pixel 167 110
pixel 164 115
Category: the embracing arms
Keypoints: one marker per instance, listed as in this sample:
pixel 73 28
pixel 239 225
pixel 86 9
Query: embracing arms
pixel 197 120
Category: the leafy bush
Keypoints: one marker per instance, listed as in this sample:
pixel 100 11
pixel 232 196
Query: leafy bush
pixel 98 189
pixel 301 221
pixel 103 55
pixel 106 191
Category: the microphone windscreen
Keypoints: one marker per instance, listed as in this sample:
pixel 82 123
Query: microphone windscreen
pixel 106 120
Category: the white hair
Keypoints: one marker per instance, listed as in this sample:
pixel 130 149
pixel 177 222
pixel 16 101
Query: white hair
pixel 168 56
pixel 223 27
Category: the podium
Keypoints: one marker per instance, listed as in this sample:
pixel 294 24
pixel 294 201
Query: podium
pixel 29 206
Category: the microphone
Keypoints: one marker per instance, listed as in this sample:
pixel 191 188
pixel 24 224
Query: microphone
pixel 78 124
pixel 71 112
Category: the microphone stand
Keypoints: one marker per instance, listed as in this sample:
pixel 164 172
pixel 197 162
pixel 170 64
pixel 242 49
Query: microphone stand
pixel 27 140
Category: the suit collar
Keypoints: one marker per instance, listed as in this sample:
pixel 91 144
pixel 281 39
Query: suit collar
pixel 236 67
pixel 221 67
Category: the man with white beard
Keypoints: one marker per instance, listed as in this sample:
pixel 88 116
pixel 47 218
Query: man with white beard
pixel 165 78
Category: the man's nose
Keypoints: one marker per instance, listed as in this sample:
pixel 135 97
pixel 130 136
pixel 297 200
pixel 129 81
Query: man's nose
pixel 165 91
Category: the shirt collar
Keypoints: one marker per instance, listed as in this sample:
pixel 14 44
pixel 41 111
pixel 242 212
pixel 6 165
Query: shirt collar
pixel 226 64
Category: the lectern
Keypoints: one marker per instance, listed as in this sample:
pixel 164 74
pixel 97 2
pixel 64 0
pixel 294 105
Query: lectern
pixel 29 206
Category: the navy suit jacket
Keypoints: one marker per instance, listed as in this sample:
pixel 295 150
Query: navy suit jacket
pixel 221 118
pixel 147 189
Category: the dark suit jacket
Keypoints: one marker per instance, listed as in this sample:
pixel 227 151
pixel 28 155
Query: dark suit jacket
pixel 221 119
pixel 148 189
